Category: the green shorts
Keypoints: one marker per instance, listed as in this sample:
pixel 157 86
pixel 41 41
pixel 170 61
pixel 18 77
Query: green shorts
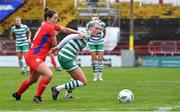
pixel 23 48
pixel 98 47
pixel 67 64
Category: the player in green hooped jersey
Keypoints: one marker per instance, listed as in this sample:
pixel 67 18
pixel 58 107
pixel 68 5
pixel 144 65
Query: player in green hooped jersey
pixel 22 34
pixel 96 47
pixel 68 49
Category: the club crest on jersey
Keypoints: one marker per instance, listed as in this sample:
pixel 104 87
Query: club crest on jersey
pixel 37 60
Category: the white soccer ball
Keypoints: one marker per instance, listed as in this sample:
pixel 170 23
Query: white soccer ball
pixel 125 96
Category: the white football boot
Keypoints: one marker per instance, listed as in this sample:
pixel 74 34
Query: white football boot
pixel 68 95
pixel 95 77
pixel 100 77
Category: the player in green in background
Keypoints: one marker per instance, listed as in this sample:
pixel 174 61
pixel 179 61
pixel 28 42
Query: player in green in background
pixel 96 47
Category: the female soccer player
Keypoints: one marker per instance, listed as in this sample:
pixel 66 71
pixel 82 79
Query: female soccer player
pixel 68 51
pixel 96 47
pixel 43 41
pixel 23 37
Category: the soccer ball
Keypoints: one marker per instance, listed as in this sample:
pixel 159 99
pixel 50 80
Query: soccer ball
pixel 125 96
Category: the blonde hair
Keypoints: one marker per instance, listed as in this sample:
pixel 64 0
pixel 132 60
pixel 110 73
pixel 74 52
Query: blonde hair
pixel 17 17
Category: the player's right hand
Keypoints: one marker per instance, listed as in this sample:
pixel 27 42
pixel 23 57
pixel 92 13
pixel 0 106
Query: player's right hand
pixel 29 41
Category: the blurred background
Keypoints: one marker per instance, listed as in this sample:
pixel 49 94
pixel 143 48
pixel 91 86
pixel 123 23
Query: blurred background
pixel 156 28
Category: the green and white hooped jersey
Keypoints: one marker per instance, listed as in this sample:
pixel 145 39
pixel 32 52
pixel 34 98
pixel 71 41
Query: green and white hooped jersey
pixel 73 47
pixel 20 34
pixel 99 38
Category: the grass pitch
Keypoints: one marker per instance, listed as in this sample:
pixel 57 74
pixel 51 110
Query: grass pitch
pixel 155 89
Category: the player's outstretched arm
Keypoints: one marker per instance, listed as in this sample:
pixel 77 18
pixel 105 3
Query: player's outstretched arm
pixel 54 50
pixel 67 39
pixel 72 31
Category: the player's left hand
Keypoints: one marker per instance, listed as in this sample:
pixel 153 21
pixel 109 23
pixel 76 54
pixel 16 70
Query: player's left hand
pixel 54 50
pixel 29 41
pixel 82 35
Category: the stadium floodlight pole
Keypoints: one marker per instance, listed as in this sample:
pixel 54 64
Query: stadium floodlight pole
pixel 44 4
pixel 75 3
pixel 131 26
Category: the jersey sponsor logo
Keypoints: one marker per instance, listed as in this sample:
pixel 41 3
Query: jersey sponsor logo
pixel 38 60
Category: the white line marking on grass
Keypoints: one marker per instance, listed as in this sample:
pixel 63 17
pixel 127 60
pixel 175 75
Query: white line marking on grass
pixel 167 108
pixel 158 81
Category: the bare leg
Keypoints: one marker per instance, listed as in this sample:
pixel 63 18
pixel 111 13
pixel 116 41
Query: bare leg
pixel 79 80
pixel 78 74
pixel 45 70
pixel 25 85
pixel 47 76
pixel 33 78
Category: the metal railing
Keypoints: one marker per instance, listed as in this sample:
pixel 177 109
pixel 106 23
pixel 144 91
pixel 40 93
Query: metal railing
pixel 155 47
pixel 168 47
pixel 7 47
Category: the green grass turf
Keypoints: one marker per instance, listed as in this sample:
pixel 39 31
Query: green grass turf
pixel 153 88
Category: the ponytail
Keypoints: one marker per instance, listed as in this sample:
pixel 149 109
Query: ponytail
pixel 48 13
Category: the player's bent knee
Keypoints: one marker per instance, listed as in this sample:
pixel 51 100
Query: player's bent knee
pixel 85 82
pixel 49 75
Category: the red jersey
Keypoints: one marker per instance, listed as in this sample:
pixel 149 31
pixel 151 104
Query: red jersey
pixel 42 41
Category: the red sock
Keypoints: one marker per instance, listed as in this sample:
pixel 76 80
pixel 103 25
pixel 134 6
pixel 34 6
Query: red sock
pixel 53 62
pixel 42 86
pixel 23 87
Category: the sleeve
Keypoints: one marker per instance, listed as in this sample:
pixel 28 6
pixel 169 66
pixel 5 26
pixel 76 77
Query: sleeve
pixel 26 28
pixel 51 31
pixel 57 27
pixel 67 39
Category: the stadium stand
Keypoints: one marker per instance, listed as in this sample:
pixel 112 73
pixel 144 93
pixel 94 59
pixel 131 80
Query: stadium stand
pixel 147 16
pixel 33 11
pixel 9 6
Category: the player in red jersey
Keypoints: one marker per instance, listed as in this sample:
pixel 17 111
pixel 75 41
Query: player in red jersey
pixel 43 41
pixel 52 56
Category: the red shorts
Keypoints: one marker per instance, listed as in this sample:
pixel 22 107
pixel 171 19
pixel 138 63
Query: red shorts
pixel 33 62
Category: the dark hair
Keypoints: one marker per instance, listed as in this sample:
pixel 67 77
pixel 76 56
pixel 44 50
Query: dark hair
pixel 48 13
pixel 94 11
pixel 46 9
